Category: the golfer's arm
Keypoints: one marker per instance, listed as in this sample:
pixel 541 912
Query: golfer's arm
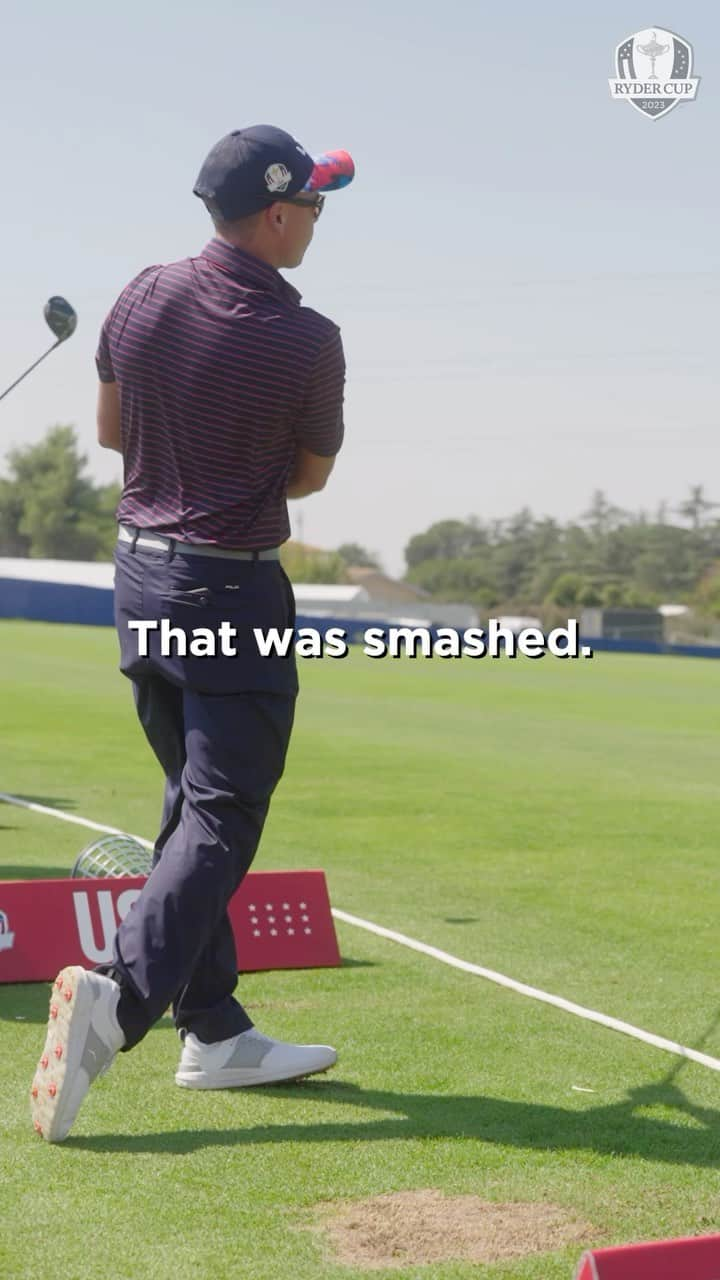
pixel 108 416
pixel 309 473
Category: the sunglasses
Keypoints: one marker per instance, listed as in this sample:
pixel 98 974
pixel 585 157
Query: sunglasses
pixel 316 203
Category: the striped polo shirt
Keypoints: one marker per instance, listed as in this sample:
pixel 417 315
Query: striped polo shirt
pixel 222 375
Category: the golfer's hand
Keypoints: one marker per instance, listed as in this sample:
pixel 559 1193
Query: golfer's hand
pixel 309 473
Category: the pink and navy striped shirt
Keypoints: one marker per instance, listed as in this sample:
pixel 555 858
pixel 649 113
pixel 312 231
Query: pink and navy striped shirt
pixel 222 375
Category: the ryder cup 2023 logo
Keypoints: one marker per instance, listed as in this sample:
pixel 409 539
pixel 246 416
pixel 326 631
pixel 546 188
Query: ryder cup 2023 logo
pixel 653 72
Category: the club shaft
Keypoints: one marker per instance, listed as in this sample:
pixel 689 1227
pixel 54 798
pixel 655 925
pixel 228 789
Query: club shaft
pixel 32 366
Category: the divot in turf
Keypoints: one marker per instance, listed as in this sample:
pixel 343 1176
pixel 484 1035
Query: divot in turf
pixel 410 1228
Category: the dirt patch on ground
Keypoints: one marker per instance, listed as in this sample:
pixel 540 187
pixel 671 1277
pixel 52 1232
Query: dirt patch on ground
pixel 409 1228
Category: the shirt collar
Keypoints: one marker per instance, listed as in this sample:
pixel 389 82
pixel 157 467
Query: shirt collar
pixel 248 269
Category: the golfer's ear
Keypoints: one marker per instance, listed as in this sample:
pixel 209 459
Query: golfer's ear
pixel 276 213
pixel 108 416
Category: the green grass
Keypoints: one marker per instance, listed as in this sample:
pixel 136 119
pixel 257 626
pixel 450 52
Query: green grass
pixel 556 821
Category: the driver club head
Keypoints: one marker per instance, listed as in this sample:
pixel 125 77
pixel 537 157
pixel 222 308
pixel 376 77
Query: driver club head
pixel 61 317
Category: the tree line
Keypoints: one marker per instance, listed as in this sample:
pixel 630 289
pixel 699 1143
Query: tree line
pixel 49 507
pixel 607 556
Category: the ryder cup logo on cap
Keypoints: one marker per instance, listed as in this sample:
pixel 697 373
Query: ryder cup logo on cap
pixel 6 937
pixel 277 177
pixel 654 72
pixel 247 169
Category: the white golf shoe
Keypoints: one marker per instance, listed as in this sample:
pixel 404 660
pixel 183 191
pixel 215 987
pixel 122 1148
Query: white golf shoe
pixel 83 1038
pixel 247 1059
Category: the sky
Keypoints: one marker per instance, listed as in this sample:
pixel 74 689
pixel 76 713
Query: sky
pixel 525 271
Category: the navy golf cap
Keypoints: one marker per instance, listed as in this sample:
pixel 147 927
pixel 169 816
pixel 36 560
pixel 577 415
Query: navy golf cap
pixel 250 168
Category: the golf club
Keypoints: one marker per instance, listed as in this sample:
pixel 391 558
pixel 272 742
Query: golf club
pixel 62 319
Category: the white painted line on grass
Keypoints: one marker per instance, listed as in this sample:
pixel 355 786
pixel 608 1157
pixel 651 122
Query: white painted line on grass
pixel 69 817
pixel 533 993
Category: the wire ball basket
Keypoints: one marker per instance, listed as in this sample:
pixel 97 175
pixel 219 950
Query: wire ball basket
pixel 113 856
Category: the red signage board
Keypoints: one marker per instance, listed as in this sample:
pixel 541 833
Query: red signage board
pixel 281 920
pixel 696 1258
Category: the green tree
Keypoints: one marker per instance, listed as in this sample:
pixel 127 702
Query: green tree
pixel 707 595
pixel 329 569
pixel 601 516
pixel 636 598
pixel 304 564
pixel 12 542
pixel 696 506
pixel 446 540
pixel 50 508
pixel 358 557
pixel 589 596
pixel 567 589
pixel 464 580
pixel 612 556
pixel 612 595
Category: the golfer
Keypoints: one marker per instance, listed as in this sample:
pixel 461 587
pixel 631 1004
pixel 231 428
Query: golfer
pixel 224 396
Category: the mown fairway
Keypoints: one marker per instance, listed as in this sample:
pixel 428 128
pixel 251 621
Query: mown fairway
pixel 555 821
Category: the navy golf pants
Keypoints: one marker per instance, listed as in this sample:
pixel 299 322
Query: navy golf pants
pixel 220 727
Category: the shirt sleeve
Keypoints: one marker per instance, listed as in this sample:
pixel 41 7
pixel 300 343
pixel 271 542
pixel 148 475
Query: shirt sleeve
pixel 103 358
pixel 103 362
pixel 320 427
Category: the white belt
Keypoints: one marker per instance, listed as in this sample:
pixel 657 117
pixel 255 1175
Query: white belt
pixel 156 542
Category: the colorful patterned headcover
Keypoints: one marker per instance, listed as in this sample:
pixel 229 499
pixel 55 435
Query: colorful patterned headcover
pixel 332 170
